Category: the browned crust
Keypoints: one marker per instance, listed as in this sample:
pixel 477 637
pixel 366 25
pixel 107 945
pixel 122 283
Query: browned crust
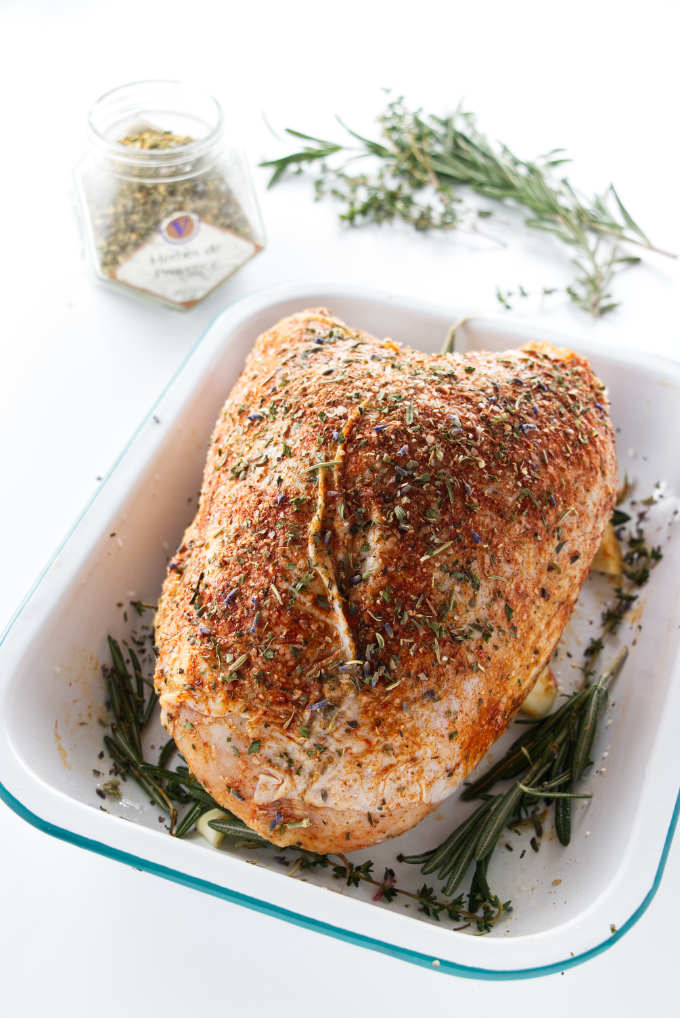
pixel 509 466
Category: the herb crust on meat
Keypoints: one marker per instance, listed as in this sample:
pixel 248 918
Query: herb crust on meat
pixel 387 547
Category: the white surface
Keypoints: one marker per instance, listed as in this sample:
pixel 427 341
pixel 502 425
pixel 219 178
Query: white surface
pixel 80 365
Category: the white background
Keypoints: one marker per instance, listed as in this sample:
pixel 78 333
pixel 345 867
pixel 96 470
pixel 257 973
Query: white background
pixel 79 367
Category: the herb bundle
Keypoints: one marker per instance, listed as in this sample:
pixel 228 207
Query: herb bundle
pixel 422 162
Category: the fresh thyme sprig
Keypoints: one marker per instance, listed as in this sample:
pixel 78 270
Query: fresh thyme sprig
pixel 639 559
pixel 484 910
pixel 423 160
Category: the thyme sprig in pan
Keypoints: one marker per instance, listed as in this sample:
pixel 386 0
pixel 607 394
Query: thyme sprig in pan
pixel 423 160
pixel 544 763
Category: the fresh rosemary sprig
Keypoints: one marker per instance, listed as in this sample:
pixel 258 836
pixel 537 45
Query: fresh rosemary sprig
pixel 423 160
pixel 132 706
pixel 544 763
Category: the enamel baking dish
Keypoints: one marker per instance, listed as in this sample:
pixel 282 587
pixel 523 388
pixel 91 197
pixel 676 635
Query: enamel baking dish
pixel 569 904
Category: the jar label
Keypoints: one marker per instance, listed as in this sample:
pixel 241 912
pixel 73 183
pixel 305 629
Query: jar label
pixel 185 259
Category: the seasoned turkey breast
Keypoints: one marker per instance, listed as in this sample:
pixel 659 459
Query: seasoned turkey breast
pixel 387 548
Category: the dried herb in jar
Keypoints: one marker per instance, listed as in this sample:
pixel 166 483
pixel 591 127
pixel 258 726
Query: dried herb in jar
pixel 140 207
pixel 169 214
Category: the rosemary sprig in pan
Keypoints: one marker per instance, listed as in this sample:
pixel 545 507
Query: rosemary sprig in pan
pixel 423 160
pixel 131 701
pixel 544 763
pixel 132 707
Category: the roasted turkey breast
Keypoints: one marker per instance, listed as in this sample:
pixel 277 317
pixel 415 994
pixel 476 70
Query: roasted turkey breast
pixel 387 548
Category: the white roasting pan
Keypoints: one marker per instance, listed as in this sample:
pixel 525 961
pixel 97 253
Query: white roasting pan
pixel 569 904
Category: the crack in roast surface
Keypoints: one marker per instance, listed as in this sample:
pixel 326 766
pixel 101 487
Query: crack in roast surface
pixel 318 548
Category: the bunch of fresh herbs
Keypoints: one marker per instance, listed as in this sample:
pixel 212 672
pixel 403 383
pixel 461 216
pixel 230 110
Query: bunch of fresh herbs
pixel 420 166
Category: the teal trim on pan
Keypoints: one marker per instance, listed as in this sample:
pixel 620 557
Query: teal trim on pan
pixel 348 936
pixel 267 908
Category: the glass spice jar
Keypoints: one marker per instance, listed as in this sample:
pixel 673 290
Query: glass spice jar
pixel 168 209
